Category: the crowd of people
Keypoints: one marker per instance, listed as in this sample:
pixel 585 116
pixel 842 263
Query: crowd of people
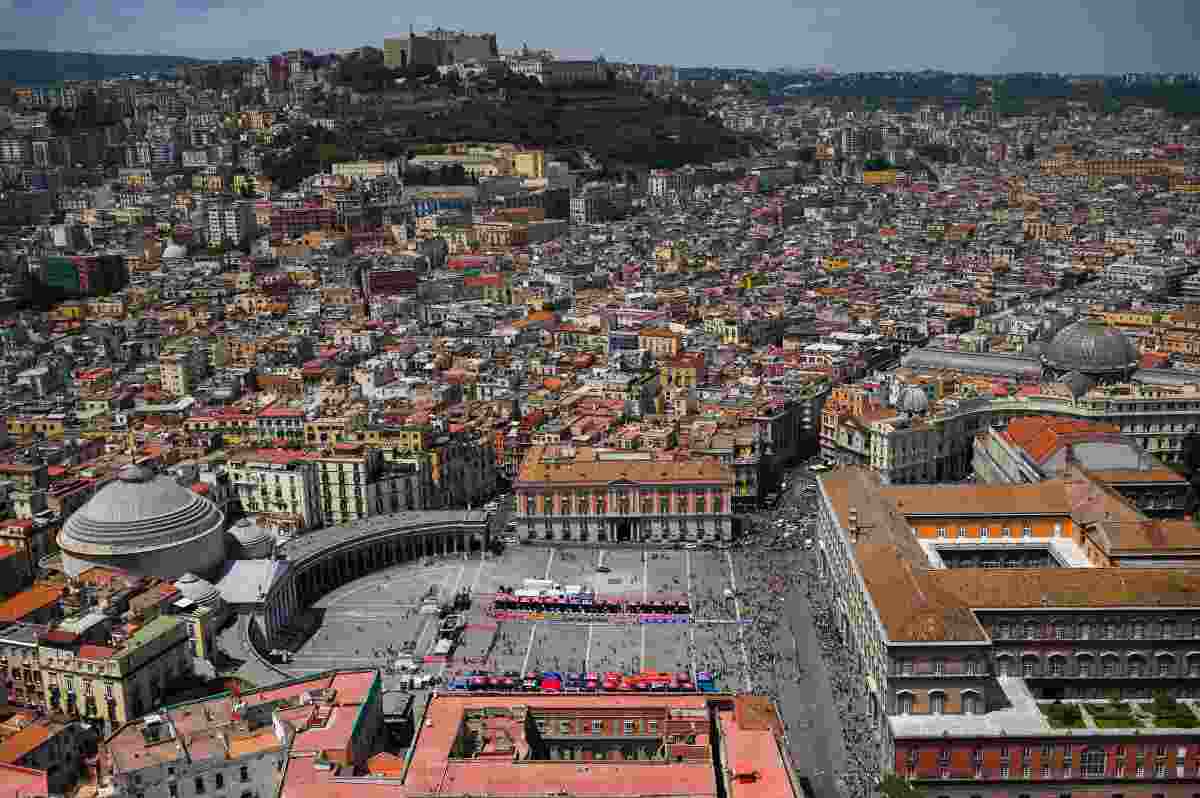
pixel 780 569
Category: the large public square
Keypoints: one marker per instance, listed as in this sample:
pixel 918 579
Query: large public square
pixel 371 620
pixel 755 625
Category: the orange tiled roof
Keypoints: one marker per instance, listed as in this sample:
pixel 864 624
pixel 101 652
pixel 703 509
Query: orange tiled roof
pixel 1042 436
pixel 29 601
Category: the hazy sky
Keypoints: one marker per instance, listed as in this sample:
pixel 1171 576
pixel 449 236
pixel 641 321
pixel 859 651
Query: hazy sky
pixel 963 35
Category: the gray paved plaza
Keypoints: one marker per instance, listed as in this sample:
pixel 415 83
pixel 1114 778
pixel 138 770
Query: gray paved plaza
pixel 359 623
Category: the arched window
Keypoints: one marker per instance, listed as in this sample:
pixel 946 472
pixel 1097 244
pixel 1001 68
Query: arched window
pixel 1029 666
pixel 1137 665
pixel 1108 665
pixel 937 702
pixel 1057 665
pixel 1166 665
pixel 904 703
pixel 1086 665
pixel 972 703
pixel 1168 628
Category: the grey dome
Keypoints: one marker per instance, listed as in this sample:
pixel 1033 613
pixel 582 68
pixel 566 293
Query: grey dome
pixel 254 541
pixel 1090 348
pixel 914 401
pixel 147 525
pixel 1078 384
pixel 199 590
pixel 175 250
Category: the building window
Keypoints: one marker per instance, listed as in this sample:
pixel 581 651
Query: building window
pixel 628 726
pixel 971 666
pixel 597 726
pixel 244 773
pixel 904 704
pixel 1056 666
pixel 220 780
pixel 1027 532
pixel 652 726
pixel 906 667
pixel 939 667
pixel 1085 666
pixel 1006 532
pixel 1139 630
pixel 1028 665
pixel 941 532
pixel 1030 630
pixel 199 785
pixel 564 727
pixel 1004 771
pixel 937 703
pixel 962 532
pixel 983 531
pixel 1091 763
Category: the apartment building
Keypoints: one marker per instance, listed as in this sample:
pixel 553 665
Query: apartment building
pixel 279 486
pixel 356 482
pixel 230 221
pixel 112 684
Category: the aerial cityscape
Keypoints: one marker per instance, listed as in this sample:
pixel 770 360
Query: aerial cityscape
pixel 446 417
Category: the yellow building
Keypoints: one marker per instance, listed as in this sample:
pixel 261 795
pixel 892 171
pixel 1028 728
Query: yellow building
pixel 529 163
pixel 685 370
pixel 113 685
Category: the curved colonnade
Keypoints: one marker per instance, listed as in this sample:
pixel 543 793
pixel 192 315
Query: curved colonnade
pixel 326 559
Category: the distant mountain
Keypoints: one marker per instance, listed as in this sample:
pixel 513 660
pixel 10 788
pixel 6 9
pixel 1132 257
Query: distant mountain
pixel 39 67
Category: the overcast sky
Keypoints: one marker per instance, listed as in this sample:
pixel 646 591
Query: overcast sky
pixel 960 35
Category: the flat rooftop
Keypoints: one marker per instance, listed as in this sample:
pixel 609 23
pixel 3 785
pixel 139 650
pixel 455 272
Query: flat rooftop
pixel 750 758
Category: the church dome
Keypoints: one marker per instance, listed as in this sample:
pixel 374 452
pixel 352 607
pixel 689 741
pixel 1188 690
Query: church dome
pixel 199 590
pixel 1091 348
pixel 147 524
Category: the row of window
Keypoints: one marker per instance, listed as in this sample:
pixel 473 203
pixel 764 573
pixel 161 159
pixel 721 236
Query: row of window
pixel 984 532
pixel 598 726
pixel 1165 628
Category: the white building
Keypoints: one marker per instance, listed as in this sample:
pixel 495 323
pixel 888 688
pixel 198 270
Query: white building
pixel 230 220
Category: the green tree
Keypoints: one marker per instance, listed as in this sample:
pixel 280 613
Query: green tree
pixel 892 786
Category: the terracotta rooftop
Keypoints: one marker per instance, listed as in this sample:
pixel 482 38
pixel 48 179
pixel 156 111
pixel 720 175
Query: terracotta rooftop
pixel 917 603
pixel 1041 498
pixel 586 466
pixel 1042 436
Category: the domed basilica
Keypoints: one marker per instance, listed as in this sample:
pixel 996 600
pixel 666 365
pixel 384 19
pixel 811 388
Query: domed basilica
pixel 1087 353
pixel 147 525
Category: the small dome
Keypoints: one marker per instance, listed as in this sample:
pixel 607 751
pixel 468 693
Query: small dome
pixel 199 590
pixel 914 401
pixel 253 540
pixel 1078 384
pixel 175 250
